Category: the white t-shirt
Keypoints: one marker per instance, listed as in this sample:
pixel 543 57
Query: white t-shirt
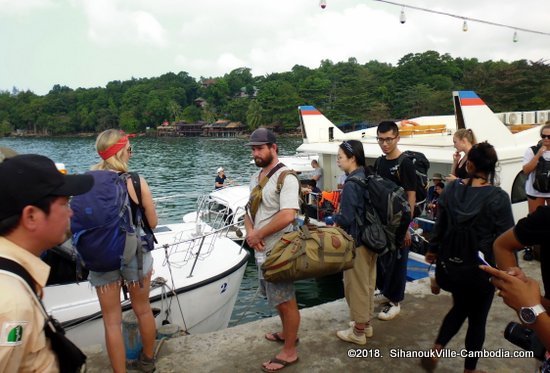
pixel 529 189
pixel 273 202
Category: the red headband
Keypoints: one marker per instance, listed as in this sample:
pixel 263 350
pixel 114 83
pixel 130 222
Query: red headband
pixel 115 148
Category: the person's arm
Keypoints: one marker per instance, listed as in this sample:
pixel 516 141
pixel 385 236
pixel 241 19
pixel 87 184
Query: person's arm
pixel 529 166
pixel 518 293
pixel 504 249
pixel 146 200
pixel 17 312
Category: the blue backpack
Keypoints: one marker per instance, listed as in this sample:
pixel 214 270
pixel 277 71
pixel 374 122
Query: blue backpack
pixel 106 235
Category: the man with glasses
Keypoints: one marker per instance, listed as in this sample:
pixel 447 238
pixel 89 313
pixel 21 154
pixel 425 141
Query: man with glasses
pixel 392 267
pixel 34 216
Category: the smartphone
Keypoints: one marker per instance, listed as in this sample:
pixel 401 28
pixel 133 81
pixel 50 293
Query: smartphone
pixel 481 257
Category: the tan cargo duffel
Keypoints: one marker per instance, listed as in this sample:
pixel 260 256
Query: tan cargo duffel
pixel 309 252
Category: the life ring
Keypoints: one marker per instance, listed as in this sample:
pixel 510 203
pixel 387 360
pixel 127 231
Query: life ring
pixel 408 123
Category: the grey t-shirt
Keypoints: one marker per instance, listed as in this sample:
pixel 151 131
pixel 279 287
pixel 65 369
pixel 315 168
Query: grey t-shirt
pixel 319 172
pixel 273 202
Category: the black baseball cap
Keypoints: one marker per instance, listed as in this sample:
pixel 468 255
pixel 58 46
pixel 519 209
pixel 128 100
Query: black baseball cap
pixel 28 178
pixel 262 136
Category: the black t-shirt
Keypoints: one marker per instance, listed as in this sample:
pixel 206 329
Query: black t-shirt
pixel 404 175
pixel 533 230
pixel 460 171
pixel 220 180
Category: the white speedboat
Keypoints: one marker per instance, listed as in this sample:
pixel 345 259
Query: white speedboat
pixel 196 279
pixel 432 135
pixel 224 207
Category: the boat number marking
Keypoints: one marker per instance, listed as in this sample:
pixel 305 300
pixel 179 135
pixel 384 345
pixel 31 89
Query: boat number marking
pixel 223 287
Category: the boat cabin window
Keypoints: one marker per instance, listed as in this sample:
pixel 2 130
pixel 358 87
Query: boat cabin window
pixel 518 188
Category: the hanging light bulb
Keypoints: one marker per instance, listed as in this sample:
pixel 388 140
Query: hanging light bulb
pixel 465 26
pixel 515 39
pixel 402 16
pixel 323 4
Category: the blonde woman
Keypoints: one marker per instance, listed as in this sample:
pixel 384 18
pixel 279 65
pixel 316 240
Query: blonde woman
pixel 463 141
pixel 113 146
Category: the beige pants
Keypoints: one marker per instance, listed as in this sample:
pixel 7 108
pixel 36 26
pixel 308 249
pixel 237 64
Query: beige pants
pixel 359 284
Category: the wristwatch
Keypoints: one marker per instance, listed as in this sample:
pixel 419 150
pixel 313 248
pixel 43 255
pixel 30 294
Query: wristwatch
pixel 528 315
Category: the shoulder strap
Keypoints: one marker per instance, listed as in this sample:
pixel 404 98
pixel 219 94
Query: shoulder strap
pixel 136 182
pixel 17 269
pixel 535 149
pixel 256 194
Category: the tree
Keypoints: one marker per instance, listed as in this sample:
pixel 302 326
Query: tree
pixel 254 115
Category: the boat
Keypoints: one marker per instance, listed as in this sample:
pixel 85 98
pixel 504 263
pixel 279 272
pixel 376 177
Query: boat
pixel 433 136
pixel 225 207
pixel 197 273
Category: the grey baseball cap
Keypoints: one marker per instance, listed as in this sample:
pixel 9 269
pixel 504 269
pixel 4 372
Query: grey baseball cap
pixel 262 136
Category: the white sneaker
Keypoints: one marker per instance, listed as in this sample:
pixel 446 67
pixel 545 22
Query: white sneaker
pixel 379 297
pixel 368 329
pixel 389 311
pixel 349 336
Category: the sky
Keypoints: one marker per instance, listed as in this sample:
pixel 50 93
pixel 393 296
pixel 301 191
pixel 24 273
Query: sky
pixel 88 43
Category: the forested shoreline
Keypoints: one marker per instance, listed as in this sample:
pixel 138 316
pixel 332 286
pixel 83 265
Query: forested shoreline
pixel 346 92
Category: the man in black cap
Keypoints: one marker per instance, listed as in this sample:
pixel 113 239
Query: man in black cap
pixel 270 214
pixel 34 216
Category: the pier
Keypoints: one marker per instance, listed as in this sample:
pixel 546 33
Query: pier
pixel 243 348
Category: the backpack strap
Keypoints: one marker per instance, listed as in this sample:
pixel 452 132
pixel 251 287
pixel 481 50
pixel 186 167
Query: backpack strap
pixel 301 200
pixel 136 182
pixel 17 269
pixel 256 194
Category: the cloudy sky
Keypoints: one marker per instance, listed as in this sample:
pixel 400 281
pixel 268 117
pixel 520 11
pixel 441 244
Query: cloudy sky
pixel 87 43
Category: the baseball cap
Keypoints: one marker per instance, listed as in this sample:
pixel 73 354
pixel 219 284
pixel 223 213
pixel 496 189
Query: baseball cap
pixel 262 136
pixel 437 176
pixel 28 178
pixel 220 169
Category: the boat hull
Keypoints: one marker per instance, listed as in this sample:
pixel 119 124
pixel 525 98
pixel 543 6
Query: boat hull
pixel 194 286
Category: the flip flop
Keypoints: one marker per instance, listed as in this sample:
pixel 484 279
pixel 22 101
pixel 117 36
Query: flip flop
pixel 278 361
pixel 276 337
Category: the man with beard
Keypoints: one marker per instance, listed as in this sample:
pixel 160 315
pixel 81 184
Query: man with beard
pixel 265 225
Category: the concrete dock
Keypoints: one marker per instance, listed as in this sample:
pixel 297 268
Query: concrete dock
pixel 243 348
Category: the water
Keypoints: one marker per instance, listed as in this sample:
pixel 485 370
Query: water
pixel 178 171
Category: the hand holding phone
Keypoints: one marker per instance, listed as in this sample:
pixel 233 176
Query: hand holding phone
pixel 481 257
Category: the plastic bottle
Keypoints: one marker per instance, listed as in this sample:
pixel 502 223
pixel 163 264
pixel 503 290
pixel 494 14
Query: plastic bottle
pixel 260 259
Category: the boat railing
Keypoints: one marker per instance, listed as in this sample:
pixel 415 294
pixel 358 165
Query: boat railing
pixel 219 215
pixel 192 245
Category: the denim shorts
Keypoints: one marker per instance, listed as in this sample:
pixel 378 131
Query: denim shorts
pixel 277 293
pixel 128 273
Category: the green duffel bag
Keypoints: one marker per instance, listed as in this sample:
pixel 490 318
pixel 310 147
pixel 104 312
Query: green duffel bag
pixel 309 252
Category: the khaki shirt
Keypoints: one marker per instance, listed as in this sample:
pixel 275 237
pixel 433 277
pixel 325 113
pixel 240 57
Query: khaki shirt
pixel 23 343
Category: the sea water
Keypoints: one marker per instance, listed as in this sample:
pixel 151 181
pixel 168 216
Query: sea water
pixel 179 171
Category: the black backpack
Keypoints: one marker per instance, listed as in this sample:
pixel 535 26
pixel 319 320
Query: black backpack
pixel 541 181
pixel 457 259
pixel 421 165
pixel 387 214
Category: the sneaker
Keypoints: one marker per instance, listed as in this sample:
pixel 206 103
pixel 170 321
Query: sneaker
pixel 379 297
pixel 349 336
pixel 389 311
pixel 144 364
pixel 368 329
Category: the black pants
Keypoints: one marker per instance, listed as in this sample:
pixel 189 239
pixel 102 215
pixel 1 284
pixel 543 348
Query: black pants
pixel 472 303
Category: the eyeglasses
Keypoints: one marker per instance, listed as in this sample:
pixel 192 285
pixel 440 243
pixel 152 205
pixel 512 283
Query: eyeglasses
pixel 547 137
pixel 387 140
pixel 129 149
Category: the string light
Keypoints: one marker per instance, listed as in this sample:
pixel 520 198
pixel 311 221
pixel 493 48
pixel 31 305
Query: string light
pixel 465 26
pixel 323 4
pixel 402 16
pixel 515 38
pixel 403 6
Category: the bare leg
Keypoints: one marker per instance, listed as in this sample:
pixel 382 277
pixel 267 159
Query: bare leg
pixel 109 299
pixel 142 309
pixel 290 316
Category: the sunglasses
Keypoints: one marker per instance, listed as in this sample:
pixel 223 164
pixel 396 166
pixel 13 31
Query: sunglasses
pixel 547 137
pixel 129 149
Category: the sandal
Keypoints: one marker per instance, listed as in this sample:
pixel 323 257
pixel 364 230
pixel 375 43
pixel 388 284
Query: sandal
pixel 274 360
pixel 276 337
